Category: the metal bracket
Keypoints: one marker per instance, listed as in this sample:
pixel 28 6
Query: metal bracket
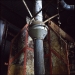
pixel 38 30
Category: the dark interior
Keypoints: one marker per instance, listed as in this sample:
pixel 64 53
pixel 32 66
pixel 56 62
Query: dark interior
pixel 14 13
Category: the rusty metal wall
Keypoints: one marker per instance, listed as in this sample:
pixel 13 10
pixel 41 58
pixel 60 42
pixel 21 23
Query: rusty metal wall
pixel 58 66
pixel 58 44
pixel 46 59
pixel 21 61
pixel 56 60
pixel 16 67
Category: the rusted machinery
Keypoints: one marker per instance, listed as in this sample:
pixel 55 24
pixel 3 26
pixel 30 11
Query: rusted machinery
pixel 21 60
pixel 28 56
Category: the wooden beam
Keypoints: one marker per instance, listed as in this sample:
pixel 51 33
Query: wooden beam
pixel 59 31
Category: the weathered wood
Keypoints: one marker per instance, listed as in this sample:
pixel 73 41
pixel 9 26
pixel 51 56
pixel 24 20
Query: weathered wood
pixel 59 31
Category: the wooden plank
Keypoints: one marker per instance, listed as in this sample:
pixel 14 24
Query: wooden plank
pixel 59 31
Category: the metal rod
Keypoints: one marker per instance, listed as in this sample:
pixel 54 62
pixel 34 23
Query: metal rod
pixel 41 10
pixel 39 68
pixel 27 8
pixel 38 57
pixel 50 18
pixel 38 33
pixel 38 7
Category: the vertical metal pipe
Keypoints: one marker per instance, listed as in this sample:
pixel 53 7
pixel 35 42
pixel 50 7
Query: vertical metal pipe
pixel 38 7
pixel 38 31
pixel 38 57
pixel 2 25
pixel 38 44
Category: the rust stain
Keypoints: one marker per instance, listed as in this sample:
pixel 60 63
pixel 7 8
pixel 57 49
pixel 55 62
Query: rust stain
pixel 16 70
pixel 30 63
pixel 58 67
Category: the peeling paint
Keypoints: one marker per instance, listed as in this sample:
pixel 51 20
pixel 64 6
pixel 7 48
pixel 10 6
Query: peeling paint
pixel 58 66
pixel 30 63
